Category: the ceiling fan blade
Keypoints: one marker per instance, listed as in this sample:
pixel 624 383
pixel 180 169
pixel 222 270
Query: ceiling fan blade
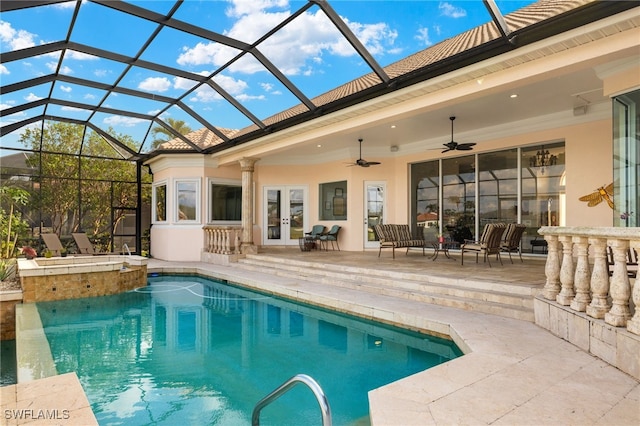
pixel 465 146
pixel 373 163
pixel 446 150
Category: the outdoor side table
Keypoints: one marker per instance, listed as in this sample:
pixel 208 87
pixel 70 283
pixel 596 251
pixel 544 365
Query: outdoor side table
pixel 306 243
pixel 440 247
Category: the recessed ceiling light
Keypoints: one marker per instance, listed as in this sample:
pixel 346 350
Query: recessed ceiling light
pixel 515 95
pixel 393 126
pixel 319 146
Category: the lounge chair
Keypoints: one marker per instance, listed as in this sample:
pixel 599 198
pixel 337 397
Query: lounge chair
pixel 331 236
pixel 84 244
pixel 512 239
pixel 52 241
pixel 488 244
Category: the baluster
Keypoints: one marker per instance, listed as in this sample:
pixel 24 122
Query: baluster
pixel 620 288
pixel 599 280
pixel 227 241
pixel 236 242
pixel 552 269
pixel 633 325
pixel 581 277
pixel 216 241
pixel 567 292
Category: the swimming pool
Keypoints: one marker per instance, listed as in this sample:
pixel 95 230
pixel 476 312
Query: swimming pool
pixel 190 350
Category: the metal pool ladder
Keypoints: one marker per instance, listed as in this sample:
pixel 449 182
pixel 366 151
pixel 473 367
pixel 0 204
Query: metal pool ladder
pixel 283 388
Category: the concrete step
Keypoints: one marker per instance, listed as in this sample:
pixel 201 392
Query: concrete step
pixel 471 295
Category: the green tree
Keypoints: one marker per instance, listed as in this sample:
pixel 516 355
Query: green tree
pixel 81 191
pixel 12 226
pixel 162 135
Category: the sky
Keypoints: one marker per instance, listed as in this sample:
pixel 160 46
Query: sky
pixel 309 51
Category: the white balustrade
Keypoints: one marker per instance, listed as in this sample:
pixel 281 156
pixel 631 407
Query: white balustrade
pixel 578 277
pixel 222 239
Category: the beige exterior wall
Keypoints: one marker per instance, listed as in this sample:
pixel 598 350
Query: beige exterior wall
pixel 588 166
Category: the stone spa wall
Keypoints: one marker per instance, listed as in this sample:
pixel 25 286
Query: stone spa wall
pixel 77 277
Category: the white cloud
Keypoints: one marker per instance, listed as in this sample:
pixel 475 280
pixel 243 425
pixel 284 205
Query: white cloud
pixel 31 97
pixel 244 98
pixel 310 35
pixel 155 84
pixel 80 56
pixel 101 73
pixel 118 120
pixel 66 70
pixel 230 84
pixel 73 109
pixel 423 36
pixel 15 39
pixel 6 105
pixel 89 96
pixel 447 9
pixel 4 70
pixel 66 89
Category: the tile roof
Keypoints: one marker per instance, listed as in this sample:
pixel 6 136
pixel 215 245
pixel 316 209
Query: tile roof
pixel 447 49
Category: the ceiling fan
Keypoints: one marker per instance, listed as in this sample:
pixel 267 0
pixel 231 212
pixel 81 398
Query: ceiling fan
pixel 363 163
pixel 452 146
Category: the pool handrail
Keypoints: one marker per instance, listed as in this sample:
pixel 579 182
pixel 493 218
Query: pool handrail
pixel 283 388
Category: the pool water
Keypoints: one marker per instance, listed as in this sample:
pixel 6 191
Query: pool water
pixel 194 351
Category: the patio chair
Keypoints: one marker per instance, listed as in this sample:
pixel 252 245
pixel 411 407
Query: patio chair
pixel 84 244
pixel 315 233
pixel 512 239
pixel 331 236
pixel 488 244
pixel 52 241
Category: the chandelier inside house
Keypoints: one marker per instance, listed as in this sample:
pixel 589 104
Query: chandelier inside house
pixel 543 159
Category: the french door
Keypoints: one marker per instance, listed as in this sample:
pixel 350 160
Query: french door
pixel 285 214
pixel 374 209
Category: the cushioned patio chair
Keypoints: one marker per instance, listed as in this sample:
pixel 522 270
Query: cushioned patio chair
pixel 52 241
pixel 315 233
pixel 331 236
pixel 488 244
pixel 512 239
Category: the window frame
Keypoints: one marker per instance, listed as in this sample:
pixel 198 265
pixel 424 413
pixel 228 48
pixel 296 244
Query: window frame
pixel 176 204
pixel 154 201
pixel 221 181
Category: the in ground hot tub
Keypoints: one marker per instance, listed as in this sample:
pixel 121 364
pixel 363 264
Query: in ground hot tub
pixel 74 277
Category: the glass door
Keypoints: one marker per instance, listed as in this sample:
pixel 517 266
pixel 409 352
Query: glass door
pixel 285 214
pixel 374 208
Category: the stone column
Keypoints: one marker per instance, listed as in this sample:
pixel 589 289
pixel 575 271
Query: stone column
pixel 552 269
pixel 633 325
pixel 567 269
pixel 246 244
pixel 599 280
pixel 582 275
pixel 620 288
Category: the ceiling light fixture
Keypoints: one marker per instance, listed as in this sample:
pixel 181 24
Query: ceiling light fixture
pixel 543 159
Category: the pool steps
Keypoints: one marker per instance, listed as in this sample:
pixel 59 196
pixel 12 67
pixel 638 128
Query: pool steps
pixel 503 299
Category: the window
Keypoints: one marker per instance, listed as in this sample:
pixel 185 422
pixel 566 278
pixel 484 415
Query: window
pixel 626 159
pixel 187 196
pixel 160 202
pixel 333 201
pixel 519 184
pixel 225 201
